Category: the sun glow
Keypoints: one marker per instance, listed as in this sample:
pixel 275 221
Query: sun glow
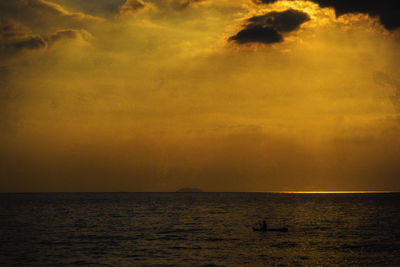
pixel 334 192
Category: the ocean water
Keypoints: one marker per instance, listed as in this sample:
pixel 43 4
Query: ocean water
pixel 198 229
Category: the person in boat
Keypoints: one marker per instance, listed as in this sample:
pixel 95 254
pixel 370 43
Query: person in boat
pixel 263 226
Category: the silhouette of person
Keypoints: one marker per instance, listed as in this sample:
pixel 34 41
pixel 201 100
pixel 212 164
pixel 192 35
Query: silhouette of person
pixel 264 226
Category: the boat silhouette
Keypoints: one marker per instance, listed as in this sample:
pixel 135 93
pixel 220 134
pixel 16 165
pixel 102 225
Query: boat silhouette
pixel 264 228
pixel 282 229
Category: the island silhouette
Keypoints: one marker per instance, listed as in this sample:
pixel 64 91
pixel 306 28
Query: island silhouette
pixel 189 190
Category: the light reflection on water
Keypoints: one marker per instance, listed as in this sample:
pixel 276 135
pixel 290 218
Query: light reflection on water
pixel 333 192
pixel 199 229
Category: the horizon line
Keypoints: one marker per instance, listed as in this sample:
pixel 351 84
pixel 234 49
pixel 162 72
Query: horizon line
pixel 269 192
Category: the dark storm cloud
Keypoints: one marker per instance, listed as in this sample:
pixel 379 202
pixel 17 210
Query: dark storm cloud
pixel 34 24
pixel 257 34
pixel 268 28
pixel 386 10
pixel 15 38
pixel 285 21
pixel 29 42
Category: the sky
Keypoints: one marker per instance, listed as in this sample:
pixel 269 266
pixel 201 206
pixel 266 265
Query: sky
pixel 224 95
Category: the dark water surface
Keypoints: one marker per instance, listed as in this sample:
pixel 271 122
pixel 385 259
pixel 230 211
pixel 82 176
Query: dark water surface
pixel 200 229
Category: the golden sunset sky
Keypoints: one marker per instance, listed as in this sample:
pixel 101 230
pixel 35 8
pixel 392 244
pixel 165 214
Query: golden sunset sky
pixel 225 95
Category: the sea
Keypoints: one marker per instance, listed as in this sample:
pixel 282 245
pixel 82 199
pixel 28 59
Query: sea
pixel 199 229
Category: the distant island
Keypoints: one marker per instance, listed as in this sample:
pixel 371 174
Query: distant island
pixel 189 190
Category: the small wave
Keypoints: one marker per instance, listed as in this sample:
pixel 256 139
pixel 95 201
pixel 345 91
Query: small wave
pixel 217 239
pixel 117 216
pixel 173 231
pixel 57 243
pixel 172 237
pixel 184 248
pixel 103 237
pixel 285 245
pixel 214 239
pixel 82 263
pixel 371 247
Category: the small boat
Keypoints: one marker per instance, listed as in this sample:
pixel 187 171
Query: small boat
pixel 259 229
pixel 283 229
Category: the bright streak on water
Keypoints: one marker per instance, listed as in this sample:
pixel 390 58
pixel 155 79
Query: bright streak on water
pixel 333 192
